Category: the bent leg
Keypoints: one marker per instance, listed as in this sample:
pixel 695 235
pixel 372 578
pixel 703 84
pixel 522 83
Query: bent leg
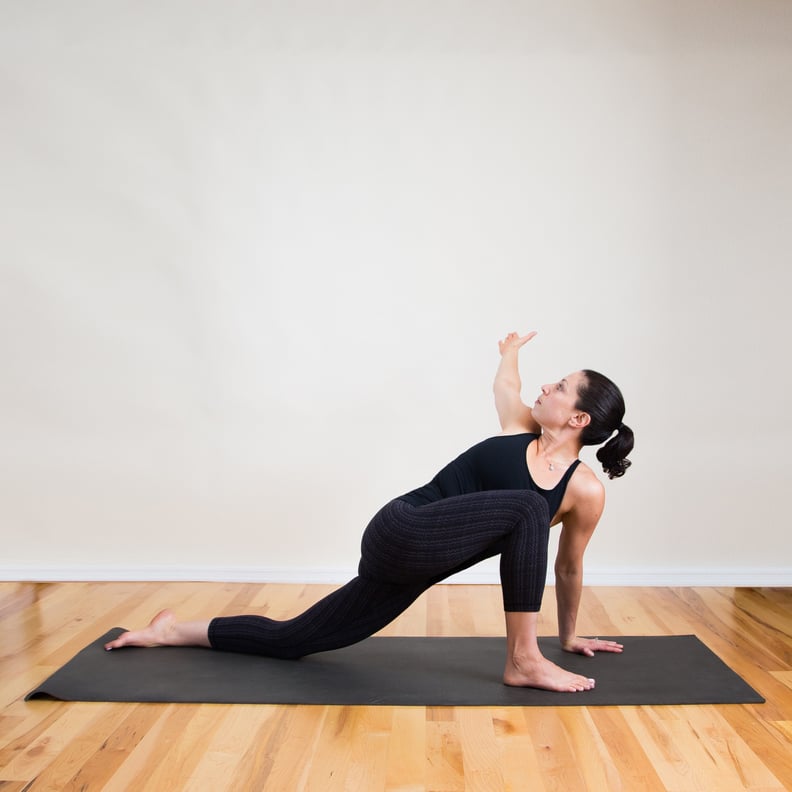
pixel 526 666
pixel 405 550
pixel 408 544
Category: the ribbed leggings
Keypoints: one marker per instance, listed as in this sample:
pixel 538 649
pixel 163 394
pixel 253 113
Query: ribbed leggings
pixel 406 549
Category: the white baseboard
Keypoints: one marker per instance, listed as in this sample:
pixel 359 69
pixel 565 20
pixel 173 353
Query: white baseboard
pixel 647 576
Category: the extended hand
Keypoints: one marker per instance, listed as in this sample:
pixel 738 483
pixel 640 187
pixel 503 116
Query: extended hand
pixel 587 646
pixel 514 341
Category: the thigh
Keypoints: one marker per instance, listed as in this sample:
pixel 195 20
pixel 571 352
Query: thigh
pixel 406 543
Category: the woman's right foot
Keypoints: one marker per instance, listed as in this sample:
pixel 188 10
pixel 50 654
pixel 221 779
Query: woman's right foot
pixel 539 672
pixel 159 632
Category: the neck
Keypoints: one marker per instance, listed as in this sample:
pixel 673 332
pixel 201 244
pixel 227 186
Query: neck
pixel 558 451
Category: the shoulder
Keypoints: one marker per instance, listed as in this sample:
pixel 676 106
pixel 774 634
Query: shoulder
pixel 585 495
pixel 520 422
pixel 586 484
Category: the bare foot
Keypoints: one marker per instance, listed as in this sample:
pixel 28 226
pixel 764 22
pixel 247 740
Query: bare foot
pixel 157 633
pixel 539 672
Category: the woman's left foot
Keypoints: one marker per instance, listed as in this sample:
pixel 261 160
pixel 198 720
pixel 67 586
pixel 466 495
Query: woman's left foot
pixel 159 632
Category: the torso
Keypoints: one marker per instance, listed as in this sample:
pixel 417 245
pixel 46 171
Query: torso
pixel 549 479
pixel 502 462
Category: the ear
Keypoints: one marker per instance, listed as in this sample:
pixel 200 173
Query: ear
pixel 579 420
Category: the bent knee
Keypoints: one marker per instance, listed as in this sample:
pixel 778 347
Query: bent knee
pixel 534 507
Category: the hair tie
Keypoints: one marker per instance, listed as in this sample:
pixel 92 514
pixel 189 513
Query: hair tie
pixel 620 427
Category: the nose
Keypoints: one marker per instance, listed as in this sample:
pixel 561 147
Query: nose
pixel 545 389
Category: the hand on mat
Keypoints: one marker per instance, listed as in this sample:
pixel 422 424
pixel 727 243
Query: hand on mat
pixel 588 646
pixel 514 341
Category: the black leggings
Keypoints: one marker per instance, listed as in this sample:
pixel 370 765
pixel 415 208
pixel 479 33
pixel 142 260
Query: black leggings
pixel 406 549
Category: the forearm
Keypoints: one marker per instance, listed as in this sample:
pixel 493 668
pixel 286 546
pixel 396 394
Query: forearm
pixel 513 414
pixel 507 376
pixel 568 586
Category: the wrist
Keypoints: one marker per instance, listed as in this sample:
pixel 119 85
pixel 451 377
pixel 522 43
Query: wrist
pixel 566 638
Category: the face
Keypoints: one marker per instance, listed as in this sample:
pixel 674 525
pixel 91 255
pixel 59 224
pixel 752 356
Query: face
pixel 556 403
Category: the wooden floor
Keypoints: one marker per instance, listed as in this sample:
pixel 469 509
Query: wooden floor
pixel 62 746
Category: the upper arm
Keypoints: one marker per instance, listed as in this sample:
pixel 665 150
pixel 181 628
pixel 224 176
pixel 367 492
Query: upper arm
pixel 579 522
pixel 514 415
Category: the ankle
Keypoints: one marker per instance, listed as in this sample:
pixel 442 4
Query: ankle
pixel 525 656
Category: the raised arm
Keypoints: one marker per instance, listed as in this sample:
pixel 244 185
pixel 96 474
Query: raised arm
pixel 514 415
pixel 577 528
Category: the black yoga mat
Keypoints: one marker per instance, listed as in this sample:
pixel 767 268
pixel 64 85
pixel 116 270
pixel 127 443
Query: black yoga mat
pixel 400 672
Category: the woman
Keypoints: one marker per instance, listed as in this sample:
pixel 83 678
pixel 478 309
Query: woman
pixel 498 498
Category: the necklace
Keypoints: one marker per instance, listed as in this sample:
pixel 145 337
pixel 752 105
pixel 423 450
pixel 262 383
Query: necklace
pixel 553 464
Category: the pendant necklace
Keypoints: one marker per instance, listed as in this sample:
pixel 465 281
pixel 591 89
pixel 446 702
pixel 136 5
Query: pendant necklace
pixel 552 464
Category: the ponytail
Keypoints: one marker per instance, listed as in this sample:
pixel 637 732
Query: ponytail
pixel 613 454
pixel 604 403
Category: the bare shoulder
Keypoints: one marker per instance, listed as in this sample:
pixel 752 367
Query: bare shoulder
pixel 586 481
pixel 520 424
pixel 584 500
pixel 520 428
pixel 586 491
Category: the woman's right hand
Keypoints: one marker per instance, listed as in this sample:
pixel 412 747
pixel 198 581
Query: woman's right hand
pixel 514 341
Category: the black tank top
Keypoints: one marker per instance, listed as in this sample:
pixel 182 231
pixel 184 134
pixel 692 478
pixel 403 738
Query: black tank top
pixel 496 463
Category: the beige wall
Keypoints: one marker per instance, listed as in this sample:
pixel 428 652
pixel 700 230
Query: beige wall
pixel 256 258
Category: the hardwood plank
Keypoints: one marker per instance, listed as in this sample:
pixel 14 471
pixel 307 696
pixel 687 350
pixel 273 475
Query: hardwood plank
pixel 480 750
pixel 13 786
pixel 179 763
pixel 589 749
pixel 767 739
pixel 406 771
pixel 67 770
pixel 255 768
pixel 112 751
pixel 692 748
pixel 332 754
pixel 556 749
pixel 370 740
pixel 231 746
pixel 152 751
pixel 445 764
pixel 290 749
pixel 519 761
pixel 27 762
pixel 24 731
pixel 731 758
pixel 632 764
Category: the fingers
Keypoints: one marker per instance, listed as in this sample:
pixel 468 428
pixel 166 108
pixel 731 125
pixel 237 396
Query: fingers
pixel 601 645
pixel 516 340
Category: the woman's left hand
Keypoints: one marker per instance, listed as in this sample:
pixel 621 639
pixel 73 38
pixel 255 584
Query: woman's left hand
pixel 514 341
pixel 587 646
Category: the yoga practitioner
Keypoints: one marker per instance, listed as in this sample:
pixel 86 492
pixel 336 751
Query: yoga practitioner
pixel 500 497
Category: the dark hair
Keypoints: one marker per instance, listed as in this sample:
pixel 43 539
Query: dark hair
pixel 604 403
